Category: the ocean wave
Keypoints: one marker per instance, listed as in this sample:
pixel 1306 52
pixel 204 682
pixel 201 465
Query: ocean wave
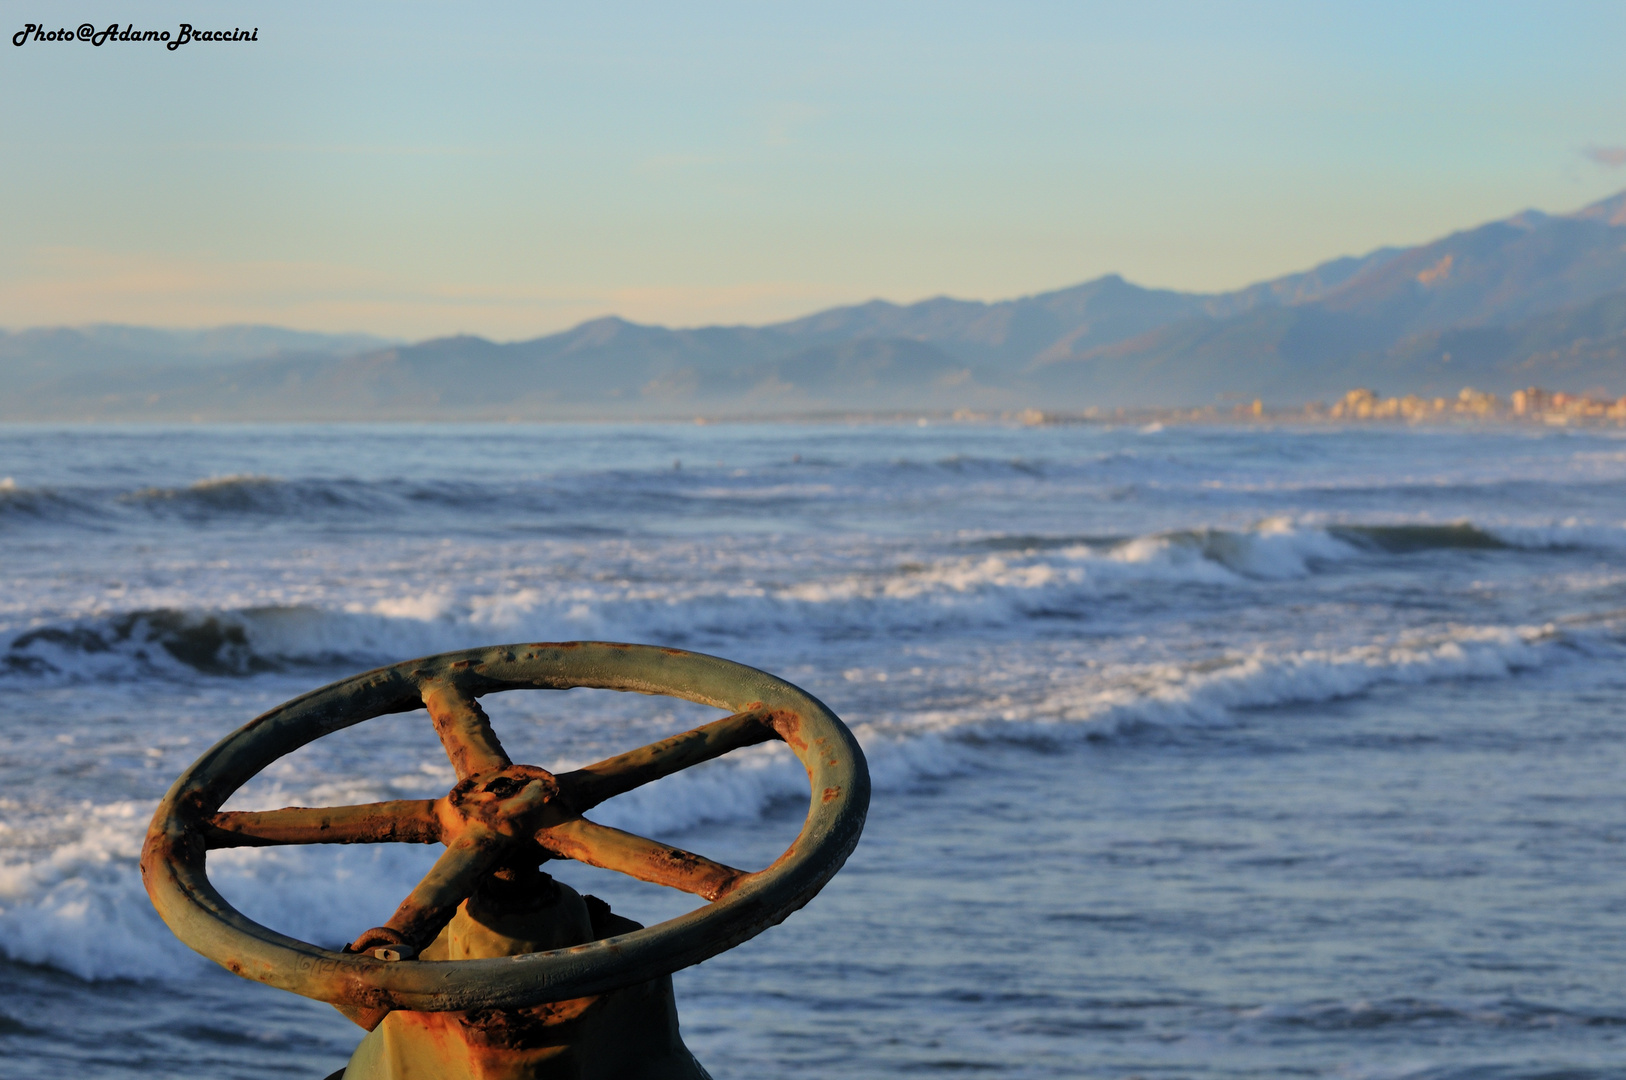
pixel 234 491
pixel 1406 539
pixel 19 505
pixel 1499 1012
pixel 70 892
pixel 599 502
pixel 78 904
pixel 910 600
pixel 253 495
pixel 810 599
pixel 1565 536
pixel 388 504
pixel 1283 547
pixel 1210 691
pixel 158 642
pixel 1274 549
pixel 220 497
pixel 964 464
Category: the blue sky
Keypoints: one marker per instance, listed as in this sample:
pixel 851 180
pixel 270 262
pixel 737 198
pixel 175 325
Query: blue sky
pixel 509 170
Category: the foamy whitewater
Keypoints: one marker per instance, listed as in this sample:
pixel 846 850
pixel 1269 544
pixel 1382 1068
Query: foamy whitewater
pixel 1216 752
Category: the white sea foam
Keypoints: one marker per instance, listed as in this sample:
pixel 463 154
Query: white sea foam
pixel 1208 692
pixel 1274 549
pixel 1562 535
pixel 558 601
pixel 70 892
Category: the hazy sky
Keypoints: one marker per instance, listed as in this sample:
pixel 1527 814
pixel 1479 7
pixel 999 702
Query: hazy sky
pixel 509 169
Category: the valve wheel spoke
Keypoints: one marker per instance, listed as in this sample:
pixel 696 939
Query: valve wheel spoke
pixel 464 730
pixel 433 902
pixel 403 821
pixel 473 747
pixel 586 787
pixel 639 857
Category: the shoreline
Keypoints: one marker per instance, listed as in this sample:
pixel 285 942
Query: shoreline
pixel 1529 408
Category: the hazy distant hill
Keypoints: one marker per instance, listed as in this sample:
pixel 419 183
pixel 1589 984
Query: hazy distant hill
pixel 1534 298
pixel 1010 332
pixel 606 368
pixel 1575 348
pixel 110 345
pixel 63 356
pixel 1374 321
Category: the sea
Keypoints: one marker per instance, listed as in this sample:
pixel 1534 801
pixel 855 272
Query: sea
pixel 1198 752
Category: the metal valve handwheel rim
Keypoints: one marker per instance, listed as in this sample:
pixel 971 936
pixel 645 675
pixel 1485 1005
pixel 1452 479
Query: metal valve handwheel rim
pixel 499 806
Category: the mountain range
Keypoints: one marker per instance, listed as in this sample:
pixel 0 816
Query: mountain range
pixel 1530 299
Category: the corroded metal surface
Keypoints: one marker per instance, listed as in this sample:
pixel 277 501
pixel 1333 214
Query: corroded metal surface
pixel 501 814
pixel 620 1035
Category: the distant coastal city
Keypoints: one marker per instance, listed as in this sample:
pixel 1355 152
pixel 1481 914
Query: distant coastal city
pixel 1532 405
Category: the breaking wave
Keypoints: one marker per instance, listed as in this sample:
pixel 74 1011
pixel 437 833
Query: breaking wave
pixel 1001 584
pixel 36 505
pixel 71 897
pixel 1260 550
pixel 142 644
pixel 1499 1012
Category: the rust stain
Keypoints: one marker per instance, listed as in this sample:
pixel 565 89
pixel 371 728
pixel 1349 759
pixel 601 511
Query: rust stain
pixel 677 857
pixel 789 727
pixel 831 794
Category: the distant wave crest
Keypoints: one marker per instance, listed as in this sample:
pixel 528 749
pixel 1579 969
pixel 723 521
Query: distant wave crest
pixel 1008 582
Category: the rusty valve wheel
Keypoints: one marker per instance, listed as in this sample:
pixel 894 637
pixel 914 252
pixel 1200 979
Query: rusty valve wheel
pixel 500 812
